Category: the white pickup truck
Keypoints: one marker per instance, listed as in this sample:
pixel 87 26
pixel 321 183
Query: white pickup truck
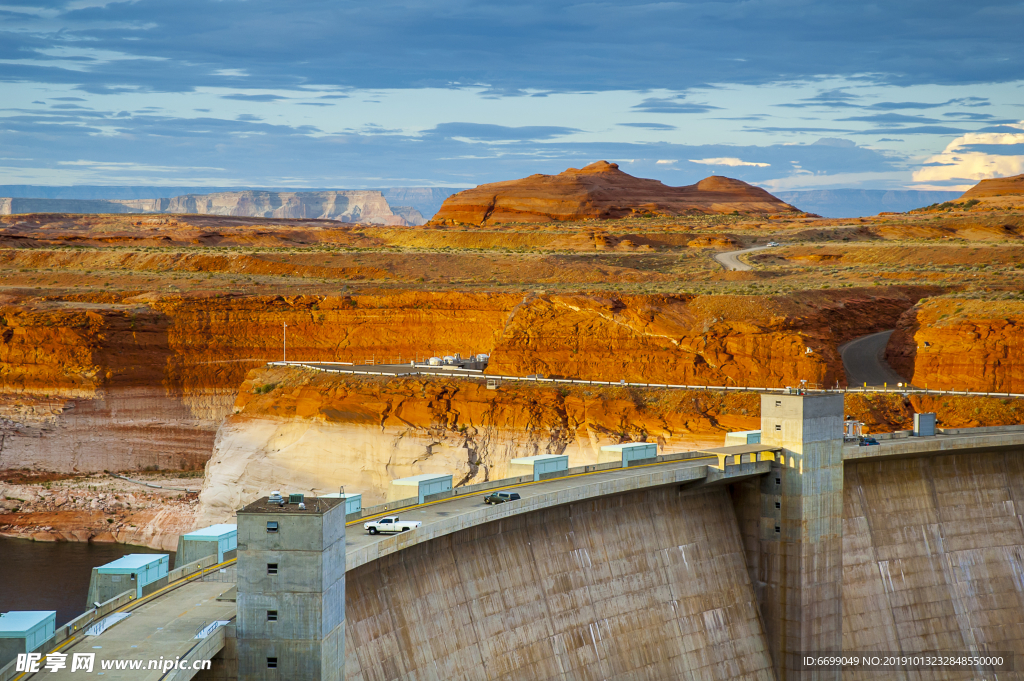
pixel 390 524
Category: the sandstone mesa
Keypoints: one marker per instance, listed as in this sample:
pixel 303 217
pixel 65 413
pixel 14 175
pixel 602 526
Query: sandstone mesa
pixel 602 191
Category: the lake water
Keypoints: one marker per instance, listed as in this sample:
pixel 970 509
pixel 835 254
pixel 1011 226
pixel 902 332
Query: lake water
pixel 53 575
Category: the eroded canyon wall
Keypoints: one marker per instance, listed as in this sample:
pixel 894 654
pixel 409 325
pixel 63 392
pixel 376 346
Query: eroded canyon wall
pixel 961 344
pixel 314 432
pixel 114 381
pixel 769 341
pixel 145 381
pixel 645 585
pixel 309 431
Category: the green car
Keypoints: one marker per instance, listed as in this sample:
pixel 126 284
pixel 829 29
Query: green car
pixel 500 497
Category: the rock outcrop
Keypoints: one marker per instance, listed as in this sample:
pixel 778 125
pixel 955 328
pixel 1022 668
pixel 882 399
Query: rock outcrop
pixel 600 190
pixel 306 431
pixel 127 382
pixel 13 206
pixel 769 341
pixel 999 186
pixel 344 206
pixel 961 344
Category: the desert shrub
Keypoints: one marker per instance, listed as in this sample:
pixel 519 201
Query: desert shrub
pixel 265 388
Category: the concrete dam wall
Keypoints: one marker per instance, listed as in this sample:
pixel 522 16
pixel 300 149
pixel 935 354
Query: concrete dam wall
pixel 933 558
pixel 664 584
pixel 645 585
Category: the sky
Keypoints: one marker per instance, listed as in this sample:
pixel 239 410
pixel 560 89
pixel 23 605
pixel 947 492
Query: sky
pixel 785 94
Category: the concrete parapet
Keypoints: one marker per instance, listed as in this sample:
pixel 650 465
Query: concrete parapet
pixel 963 441
pixel 204 649
pixel 191 568
pixel 91 615
pixel 224 665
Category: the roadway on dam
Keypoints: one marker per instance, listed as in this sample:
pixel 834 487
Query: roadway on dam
pixel 163 626
pixel 864 361
pixel 459 512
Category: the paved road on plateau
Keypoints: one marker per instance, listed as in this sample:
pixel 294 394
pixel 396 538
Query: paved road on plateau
pixel 730 259
pixel 864 361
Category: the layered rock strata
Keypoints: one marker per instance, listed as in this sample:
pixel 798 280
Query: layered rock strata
pixel 961 344
pixel 313 432
pixel 143 381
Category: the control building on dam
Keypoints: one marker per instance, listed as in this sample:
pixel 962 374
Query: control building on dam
pixel 730 563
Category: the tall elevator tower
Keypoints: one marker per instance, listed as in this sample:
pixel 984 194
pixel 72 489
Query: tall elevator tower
pixel 291 591
pixel 802 556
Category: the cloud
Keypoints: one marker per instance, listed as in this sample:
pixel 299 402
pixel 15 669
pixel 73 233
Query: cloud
pixel 971 157
pixel 962 101
pixel 254 98
pixel 918 130
pixel 835 98
pixel 672 106
pixel 728 161
pixel 891 118
pixel 835 142
pixel 665 161
pixel 496 133
pixel 649 126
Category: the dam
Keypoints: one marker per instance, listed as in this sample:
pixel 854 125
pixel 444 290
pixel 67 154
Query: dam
pixel 725 563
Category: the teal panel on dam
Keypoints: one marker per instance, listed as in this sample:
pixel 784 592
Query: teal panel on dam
pixel 216 539
pixel 353 502
pixel 139 572
pixel 23 631
pixel 419 486
pixel 537 465
pixel 628 453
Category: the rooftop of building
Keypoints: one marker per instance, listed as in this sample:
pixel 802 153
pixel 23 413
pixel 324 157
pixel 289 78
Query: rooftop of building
pixel 20 621
pixel 314 506
pixel 538 457
pixel 627 445
pixel 423 477
pixel 213 531
pixel 134 561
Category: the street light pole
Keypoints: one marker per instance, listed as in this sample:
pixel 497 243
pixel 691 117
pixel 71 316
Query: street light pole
pixel 284 345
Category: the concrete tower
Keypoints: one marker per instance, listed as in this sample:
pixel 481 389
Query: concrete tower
pixel 291 591
pixel 802 555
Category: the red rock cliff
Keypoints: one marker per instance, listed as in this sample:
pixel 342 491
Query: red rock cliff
pixel 960 344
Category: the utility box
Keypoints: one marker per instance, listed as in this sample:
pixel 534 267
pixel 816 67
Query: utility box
pixel 291 591
pixel 628 453
pixel 419 486
pixel 24 631
pixel 743 437
pixel 142 573
pixel 537 465
pixel 353 502
pixel 221 540
pixel 924 424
